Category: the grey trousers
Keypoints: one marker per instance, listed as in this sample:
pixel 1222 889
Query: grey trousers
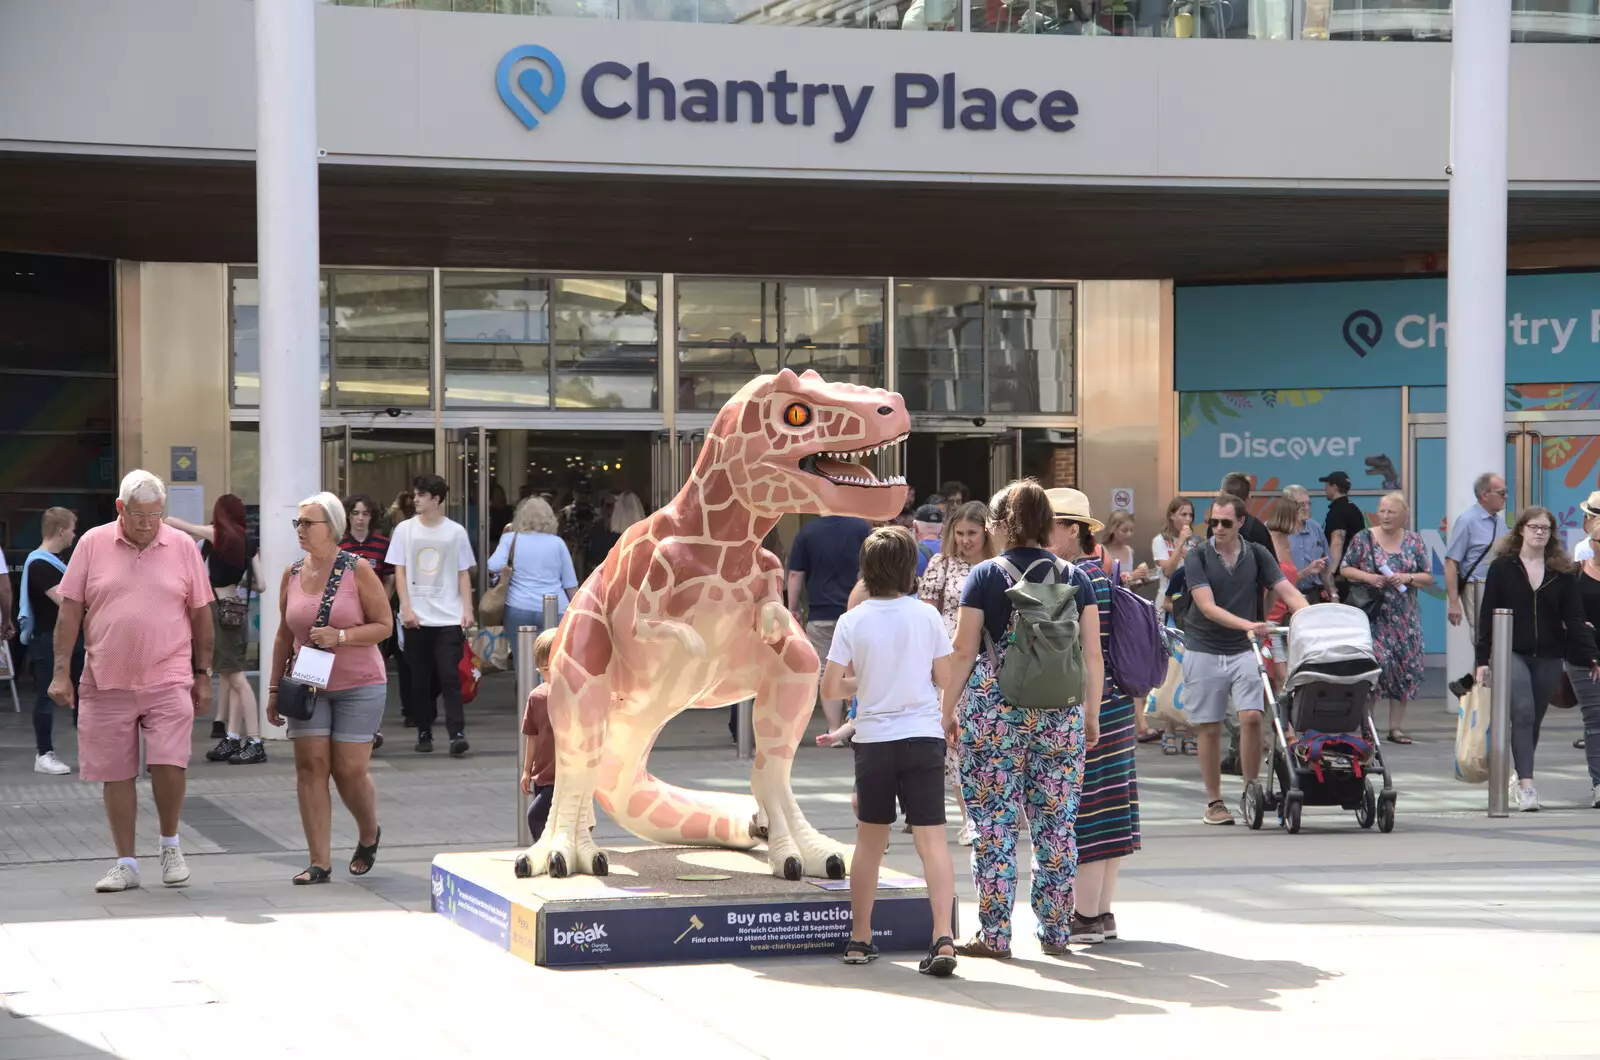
pixel 1589 702
pixel 1533 683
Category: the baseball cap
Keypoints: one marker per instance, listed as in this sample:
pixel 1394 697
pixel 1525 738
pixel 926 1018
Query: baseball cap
pixel 1337 479
pixel 929 513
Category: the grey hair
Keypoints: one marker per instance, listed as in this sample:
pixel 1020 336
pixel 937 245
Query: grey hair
pixel 626 511
pixel 1480 485
pixel 1294 493
pixel 142 486
pixel 333 508
pixel 534 516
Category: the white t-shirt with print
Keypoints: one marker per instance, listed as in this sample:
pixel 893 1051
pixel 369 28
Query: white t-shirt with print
pixel 892 645
pixel 434 557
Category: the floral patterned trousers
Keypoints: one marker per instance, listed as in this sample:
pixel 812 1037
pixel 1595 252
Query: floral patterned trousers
pixel 1016 762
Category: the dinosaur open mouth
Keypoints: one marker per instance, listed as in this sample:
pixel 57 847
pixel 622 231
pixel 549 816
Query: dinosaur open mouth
pixel 842 469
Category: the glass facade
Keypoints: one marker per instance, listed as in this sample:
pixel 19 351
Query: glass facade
pixel 1532 21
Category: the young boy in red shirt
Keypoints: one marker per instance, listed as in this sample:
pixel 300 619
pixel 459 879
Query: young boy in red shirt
pixel 539 765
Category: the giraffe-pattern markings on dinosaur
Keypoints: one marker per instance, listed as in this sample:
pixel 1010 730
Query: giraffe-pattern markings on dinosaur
pixel 688 612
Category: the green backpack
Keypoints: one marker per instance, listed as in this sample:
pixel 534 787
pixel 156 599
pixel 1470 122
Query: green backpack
pixel 1043 668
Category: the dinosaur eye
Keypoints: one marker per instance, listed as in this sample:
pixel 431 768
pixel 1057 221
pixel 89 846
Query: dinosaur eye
pixel 797 415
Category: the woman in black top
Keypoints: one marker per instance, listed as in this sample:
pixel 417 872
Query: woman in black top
pixel 1588 690
pixel 1532 576
pixel 232 560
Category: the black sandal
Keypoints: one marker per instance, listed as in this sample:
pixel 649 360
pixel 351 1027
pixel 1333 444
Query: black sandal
pixel 365 856
pixel 936 964
pixel 858 952
pixel 311 874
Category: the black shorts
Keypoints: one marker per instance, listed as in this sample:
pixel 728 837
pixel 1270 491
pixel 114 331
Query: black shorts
pixel 910 770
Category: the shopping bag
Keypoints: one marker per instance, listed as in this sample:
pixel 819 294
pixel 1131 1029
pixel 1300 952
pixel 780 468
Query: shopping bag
pixel 1164 705
pixel 469 673
pixel 1472 736
pixel 491 647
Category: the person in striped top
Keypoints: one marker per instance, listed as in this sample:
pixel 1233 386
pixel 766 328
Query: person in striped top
pixel 364 538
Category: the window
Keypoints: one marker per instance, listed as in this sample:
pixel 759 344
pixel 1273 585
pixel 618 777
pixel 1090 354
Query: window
pixel 607 343
pixel 381 332
pixel 1029 349
pixel 731 330
pixel 939 346
pixel 496 340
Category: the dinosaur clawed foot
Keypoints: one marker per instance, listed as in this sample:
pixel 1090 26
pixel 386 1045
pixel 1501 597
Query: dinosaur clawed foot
pixel 561 856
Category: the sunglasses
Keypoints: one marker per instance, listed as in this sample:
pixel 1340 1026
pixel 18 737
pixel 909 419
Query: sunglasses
pixel 1220 524
pixel 306 523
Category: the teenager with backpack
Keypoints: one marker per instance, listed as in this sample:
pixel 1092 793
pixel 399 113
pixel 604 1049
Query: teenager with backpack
pixel 1024 717
pixel 1225 579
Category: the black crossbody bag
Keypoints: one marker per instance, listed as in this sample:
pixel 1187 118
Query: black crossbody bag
pixel 296 699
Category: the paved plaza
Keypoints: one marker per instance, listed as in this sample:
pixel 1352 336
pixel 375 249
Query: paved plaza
pixel 1454 937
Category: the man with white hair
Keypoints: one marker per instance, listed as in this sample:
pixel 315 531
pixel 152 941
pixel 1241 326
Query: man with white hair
pixel 1466 563
pixel 138 590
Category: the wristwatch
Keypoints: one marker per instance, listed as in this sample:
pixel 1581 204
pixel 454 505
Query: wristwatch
pixel 341 636
pixel 207 671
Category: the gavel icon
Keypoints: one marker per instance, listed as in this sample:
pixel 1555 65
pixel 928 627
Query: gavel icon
pixel 694 925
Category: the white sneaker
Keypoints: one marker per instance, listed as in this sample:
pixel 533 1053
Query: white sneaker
pixel 174 870
pixel 1527 799
pixel 119 878
pixel 49 763
pixel 1596 802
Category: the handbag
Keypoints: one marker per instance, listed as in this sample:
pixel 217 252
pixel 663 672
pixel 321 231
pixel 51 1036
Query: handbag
pixel 1565 696
pixel 492 605
pixel 1366 597
pixel 232 611
pixel 296 699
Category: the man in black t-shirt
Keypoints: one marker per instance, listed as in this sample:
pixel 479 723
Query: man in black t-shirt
pixel 824 563
pixel 1238 484
pixel 41 574
pixel 1343 523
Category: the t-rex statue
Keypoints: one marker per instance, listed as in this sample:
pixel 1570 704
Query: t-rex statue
pixel 688 611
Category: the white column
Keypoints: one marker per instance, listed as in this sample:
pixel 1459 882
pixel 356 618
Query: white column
pixel 286 232
pixel 1476 366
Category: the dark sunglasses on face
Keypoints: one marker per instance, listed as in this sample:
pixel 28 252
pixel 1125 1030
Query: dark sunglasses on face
pixel 1222 524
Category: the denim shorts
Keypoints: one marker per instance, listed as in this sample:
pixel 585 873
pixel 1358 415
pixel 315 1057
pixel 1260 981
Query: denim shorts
pixel 350 715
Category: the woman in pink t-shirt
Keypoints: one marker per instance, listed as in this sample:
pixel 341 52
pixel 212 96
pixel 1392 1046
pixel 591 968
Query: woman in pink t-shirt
pixel 337 739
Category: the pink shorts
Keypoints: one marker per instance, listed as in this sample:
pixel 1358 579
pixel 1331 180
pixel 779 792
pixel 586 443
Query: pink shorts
pixel 109 723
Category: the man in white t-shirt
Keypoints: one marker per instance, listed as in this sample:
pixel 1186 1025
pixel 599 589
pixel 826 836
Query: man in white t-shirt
pixel 432 560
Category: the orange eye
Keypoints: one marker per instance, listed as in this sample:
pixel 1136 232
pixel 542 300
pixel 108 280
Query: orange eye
pixel 797 415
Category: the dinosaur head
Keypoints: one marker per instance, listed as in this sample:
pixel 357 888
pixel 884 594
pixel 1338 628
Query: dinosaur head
pixel 800 438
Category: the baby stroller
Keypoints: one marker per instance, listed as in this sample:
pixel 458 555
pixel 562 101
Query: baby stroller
pixel 1335 755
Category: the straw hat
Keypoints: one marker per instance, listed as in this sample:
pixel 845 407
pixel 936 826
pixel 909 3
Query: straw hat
pixel 1592 505
pixel 1072 504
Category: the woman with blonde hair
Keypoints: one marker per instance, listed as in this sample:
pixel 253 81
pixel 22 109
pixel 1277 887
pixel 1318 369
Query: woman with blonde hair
pixel 540 565
pixel 1116 550
pixel 1394 561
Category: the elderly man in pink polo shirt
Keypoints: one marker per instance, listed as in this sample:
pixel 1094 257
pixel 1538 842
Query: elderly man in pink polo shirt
pixel 139 590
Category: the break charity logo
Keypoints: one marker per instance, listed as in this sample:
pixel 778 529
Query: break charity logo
pixel 581 936
pixel 1364 331
pixel 531 82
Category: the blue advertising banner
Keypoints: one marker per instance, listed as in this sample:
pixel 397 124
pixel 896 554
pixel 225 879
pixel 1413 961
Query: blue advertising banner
pixel 622 932
pixel 1375 333
pixel 480 911
pixel 1289 436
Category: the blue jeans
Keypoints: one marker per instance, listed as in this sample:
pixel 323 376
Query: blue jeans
pixel 515 619
pixel 42 661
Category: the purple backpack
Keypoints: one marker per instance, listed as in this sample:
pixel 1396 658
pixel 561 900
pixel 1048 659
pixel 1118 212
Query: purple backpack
pixel 1138 650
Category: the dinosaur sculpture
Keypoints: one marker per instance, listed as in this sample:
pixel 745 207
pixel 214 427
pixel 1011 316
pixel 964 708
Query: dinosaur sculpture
pixel 687 611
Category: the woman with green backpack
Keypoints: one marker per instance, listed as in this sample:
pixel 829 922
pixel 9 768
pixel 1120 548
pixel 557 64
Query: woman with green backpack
pixel 1022 719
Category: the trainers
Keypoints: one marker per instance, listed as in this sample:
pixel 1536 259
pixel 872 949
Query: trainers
pixel 49 763
pixel 226 748
pixel 1085 929
pixel 252 753
pixel 458 746
pixel 219 730
pixel 377 740
pixel 174 870
pixel 1596 802
pixel 1527 799
pixel 1461 686
pixel 1217 813
pixel 424 741
pixel 1108 925
pixel 119 878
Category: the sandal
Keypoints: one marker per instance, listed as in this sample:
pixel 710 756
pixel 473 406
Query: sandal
pixel 311 874
pixel 365 856
pixel 1169 743
pixel 858 952
pixel 976 947
pixel 939 965
pixel 1396 736
pixel 1191 746
pixel 1152 735
pixel 1579 743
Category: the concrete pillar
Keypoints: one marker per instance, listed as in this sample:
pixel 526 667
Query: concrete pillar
pixel 1476 369
pixel 286 233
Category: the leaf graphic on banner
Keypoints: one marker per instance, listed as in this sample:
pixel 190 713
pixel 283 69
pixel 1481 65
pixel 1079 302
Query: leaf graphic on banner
pixel 1583 462
pixel 1214 404
pixel 1240 399
pixel 1555 452
pixel 1301 398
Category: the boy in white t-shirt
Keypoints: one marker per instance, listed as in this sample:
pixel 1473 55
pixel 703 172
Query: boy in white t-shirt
pixel 900 654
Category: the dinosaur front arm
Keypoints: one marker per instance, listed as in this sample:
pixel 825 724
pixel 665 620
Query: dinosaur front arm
pixel 773 621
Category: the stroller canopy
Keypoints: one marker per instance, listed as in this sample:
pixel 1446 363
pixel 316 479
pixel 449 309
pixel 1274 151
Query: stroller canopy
pixel 1330 642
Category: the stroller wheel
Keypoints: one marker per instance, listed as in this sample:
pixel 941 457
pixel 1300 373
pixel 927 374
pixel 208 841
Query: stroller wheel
pixel 1252 806
pixel 1291 815
pixel 1367 812
pixel 1386 814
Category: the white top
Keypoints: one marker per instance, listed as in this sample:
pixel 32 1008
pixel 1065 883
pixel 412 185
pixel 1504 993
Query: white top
pixel 1163 552
pixel 892 645
pixel 433 558
pixel 1584 550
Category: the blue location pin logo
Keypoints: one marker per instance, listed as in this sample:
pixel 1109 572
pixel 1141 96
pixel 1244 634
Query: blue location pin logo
pixel 542 94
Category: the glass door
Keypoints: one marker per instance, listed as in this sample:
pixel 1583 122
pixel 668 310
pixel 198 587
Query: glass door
pixel 465 471
pixel 336 460
pixel 1555 463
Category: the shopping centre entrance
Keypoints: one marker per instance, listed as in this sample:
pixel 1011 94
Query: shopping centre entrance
pixel 985 460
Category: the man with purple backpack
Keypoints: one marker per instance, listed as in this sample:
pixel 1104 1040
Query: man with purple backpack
pixel 1107 825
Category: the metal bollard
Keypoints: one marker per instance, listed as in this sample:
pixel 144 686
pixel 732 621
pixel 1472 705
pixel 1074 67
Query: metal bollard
pixel 551 611
pixel 1500 715
pixel 527 679
pixel 747 729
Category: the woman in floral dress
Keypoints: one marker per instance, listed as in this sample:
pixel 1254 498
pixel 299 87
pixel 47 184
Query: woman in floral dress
pixel 1391 558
